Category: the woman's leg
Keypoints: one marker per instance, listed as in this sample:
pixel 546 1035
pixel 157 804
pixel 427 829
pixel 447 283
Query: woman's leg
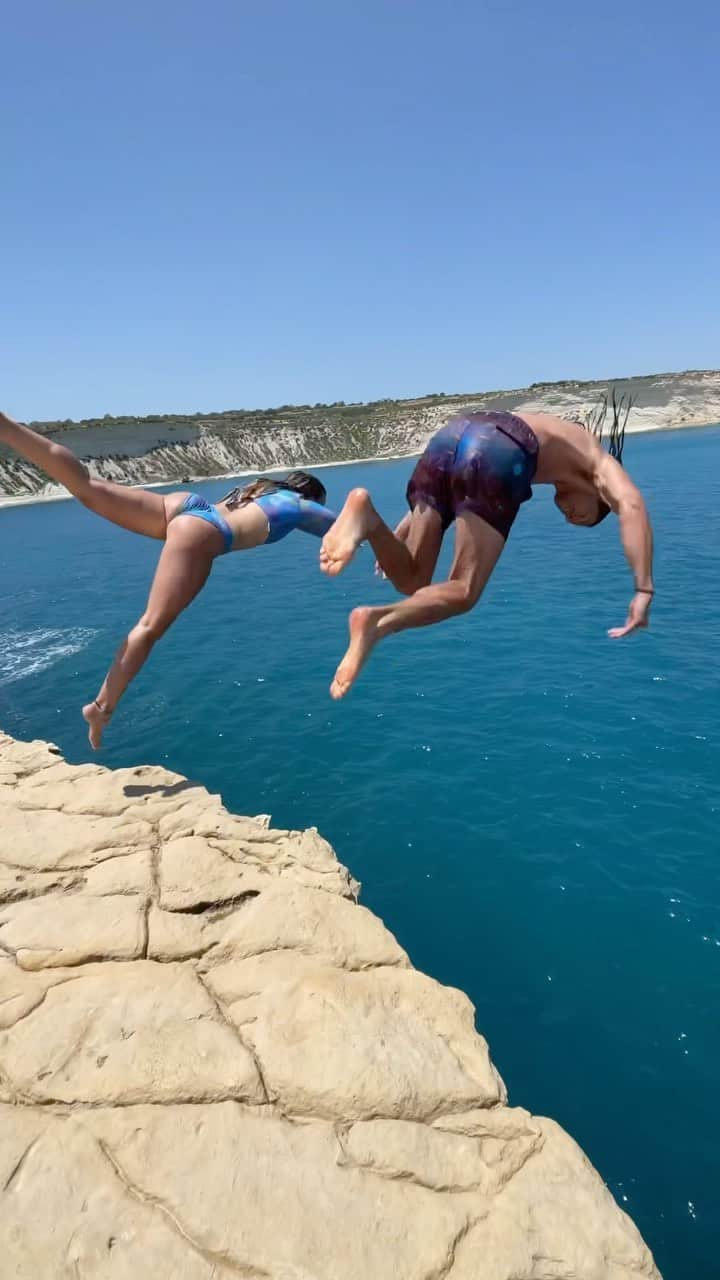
pixel 183 568
pixel 136 509
pixel 407 560
pixel 477 549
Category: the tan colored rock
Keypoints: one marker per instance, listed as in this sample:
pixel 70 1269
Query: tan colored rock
pixel 59 930
pixel 128 1033
pixel 148 793
pixel 269 1196
pixel 21 992
pixel 19 883
pixel 179 936
pixel 66 1212
pixel 413 1042
pixel 46 840
pixel 207 818
pixel 554 1218
pixel 193 875
pixel 501 1123
pixel 25 760
pixel 131 874
pixel 126 873
pixel 436 1158
pixel 214 1064
pixel 314 923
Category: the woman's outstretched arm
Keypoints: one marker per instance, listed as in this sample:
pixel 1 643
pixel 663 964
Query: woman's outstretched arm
pixel 314 518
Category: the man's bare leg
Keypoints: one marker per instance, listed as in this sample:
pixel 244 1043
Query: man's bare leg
pixel 407 560
pixel 477 550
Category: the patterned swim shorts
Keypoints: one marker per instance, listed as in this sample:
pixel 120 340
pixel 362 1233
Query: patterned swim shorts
pixel 479 462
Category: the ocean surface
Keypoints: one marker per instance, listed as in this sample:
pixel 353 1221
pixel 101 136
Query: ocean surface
pixel 532 808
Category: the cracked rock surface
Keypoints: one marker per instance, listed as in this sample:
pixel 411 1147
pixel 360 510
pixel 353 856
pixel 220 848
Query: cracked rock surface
pixel 214 1063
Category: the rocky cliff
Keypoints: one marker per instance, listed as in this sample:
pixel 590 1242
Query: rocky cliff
pixel 214 1064
pixel 176 449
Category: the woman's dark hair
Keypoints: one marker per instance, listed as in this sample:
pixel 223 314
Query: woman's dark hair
pixel 306 485
pixel 300 482
pixel 595 422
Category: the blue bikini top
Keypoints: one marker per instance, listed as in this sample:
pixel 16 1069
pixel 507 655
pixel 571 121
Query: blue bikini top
pixel 286 510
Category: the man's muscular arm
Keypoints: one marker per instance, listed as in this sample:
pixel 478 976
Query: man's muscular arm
pixel 615 487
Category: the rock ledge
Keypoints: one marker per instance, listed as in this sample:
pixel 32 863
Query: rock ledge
pixel 214 1063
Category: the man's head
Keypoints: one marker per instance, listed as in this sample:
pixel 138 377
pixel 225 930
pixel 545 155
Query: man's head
pixel 580 507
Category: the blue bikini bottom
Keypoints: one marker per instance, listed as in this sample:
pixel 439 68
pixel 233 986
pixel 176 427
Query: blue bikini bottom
pixel 194 505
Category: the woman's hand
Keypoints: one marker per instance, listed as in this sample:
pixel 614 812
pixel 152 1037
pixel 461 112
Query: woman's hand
pixel 637 617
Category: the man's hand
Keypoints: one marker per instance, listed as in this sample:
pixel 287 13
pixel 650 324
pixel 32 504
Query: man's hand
pixel 637 616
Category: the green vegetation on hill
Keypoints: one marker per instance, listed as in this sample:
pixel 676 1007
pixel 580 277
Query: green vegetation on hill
pixel 352 411
pixel 244 417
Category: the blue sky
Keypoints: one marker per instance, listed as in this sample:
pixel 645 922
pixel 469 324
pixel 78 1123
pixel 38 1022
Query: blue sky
pixel 225 204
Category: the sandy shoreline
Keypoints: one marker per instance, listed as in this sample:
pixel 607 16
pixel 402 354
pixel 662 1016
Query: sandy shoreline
pixel 32 499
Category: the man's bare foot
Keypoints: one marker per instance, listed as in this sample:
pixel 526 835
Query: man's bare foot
pixel 350 529
pixel 96 719
pixel 364 636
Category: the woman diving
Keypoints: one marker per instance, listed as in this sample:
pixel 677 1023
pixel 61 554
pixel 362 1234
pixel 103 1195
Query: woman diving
pixel 193 530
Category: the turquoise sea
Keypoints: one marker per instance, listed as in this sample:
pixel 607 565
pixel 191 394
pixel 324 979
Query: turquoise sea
pixel 532 808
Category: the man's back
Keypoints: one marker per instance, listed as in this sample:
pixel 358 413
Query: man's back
pixel 567 450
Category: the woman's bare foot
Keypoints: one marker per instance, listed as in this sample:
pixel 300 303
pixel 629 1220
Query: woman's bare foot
pixel 96 719
pixel 364 635
pixel 352 526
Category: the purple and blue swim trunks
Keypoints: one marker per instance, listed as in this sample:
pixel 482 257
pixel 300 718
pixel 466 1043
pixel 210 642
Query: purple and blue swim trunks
pixel 479 462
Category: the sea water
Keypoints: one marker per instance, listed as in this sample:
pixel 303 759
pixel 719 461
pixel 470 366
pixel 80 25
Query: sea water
pixel 532 808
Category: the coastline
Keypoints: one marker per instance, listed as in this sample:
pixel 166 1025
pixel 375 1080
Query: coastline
pixel 32 499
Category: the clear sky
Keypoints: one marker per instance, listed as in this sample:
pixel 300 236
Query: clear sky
pixel 212 204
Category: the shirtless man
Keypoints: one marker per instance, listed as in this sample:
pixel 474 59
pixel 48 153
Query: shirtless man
pixel 476 472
